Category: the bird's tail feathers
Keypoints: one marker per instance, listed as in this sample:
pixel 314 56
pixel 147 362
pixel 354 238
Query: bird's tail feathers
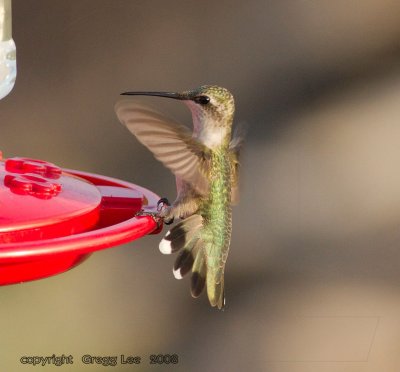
pixel 181 235
pixel 186 237
pixel 215 287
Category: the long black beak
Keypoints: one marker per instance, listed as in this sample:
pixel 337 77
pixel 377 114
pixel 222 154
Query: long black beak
pixel 157 94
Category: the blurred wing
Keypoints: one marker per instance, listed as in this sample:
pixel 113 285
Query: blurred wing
pixel 170 142
pixel 235 181
pixel 235 147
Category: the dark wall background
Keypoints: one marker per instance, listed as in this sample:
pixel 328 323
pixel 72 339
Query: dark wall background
pixel 312 281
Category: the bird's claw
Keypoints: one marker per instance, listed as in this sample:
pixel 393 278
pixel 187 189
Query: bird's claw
pixel 161 205
pixel 154 215
pixel 157 216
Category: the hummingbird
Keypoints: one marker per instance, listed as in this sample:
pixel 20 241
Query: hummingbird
pixel 205 162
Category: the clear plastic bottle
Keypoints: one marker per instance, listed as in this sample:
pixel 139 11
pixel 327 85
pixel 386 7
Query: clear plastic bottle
pixel 8 66
pixel 8 61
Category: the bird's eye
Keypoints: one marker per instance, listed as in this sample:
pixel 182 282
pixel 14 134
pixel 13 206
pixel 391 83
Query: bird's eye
pixel 202 100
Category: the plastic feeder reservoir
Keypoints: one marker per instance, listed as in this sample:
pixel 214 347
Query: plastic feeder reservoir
pixel 51 219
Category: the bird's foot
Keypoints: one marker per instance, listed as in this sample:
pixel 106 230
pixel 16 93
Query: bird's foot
pixel 163 212
pixel 154 215
pixel 163 208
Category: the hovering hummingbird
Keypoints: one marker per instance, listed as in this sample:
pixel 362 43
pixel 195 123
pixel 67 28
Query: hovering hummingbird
pixel 205 164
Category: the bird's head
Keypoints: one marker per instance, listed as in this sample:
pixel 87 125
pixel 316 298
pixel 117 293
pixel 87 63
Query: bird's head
pixel 210 105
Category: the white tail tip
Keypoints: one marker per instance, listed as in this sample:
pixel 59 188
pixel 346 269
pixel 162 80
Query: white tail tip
pixel 177 273
pixel 165 245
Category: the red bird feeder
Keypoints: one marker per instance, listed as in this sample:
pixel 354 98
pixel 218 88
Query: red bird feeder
pixel 51 219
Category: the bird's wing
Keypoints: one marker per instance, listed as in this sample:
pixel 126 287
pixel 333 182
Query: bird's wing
pixel 170 142
pixel 235 147
pixel 234 178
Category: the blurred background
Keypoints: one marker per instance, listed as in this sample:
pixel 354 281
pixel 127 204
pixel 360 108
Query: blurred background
pixel 313 276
